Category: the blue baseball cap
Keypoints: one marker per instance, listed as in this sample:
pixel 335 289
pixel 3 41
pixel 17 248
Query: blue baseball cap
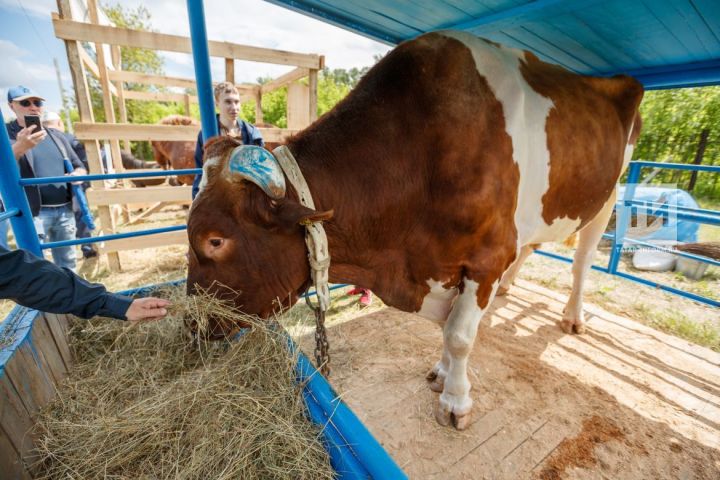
pixel 16 94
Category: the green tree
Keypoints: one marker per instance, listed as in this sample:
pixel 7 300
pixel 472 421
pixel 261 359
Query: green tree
pixel 672 123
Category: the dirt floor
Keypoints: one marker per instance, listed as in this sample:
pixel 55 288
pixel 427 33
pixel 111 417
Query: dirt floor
pixel 623 401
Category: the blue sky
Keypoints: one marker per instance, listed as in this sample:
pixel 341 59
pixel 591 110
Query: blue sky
pixel 28 44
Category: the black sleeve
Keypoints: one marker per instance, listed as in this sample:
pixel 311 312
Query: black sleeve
pixel 36 283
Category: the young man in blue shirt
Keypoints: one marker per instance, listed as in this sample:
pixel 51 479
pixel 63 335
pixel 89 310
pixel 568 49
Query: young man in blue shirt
pixel 227 101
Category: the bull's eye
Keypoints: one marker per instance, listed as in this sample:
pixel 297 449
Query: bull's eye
pixel 216 242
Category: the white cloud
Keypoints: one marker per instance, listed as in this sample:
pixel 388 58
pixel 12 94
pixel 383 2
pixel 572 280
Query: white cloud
pixel 38 8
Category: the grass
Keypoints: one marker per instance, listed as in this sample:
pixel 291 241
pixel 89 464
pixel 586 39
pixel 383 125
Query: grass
pixel 678 324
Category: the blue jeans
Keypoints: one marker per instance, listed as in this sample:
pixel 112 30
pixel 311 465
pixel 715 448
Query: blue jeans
pixel 58 224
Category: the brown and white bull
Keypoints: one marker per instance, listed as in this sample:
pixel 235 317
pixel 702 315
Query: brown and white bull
pixel 434 177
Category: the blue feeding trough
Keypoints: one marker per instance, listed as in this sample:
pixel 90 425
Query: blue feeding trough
pixel 34 357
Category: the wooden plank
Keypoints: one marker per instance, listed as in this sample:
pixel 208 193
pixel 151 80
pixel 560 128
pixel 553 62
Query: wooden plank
pixel 148 79
pixel 159 96
pixel 141 132
pixel 45 346
pixel 258 106
pixel 84 32
pixel 122 108
pixel 93 68
pixel 148 241
pixel 313 92
pixel 82 95
pixel 30 381
pixel 283 80
pixel 58 326
pixel 230 70
pixel 144 195
pixel 298 113
pixel 15 420
pixel 11 462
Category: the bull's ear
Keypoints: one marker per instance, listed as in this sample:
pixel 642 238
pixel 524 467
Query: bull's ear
pixel 290 214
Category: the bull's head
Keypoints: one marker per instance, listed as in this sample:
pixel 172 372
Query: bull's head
pixel 246 238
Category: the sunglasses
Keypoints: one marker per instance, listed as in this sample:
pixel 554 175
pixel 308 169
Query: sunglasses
pixel 26 103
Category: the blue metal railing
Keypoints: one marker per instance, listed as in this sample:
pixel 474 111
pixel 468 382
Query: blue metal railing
pixel 624 209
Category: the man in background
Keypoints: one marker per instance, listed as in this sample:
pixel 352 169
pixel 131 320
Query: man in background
pixel 42 154
pixel 53 120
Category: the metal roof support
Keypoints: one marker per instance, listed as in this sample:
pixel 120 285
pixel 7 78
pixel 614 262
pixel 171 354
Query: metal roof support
pixel 694 74
pixel 14 197
pixel 201 61
pixel 522 14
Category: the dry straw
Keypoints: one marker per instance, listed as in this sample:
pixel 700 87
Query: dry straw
pixel 148 402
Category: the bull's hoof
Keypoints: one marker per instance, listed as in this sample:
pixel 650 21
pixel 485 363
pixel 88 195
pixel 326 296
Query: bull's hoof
pixel 502 291
pixel 445 418
pixel 572 327
pixel 453 410
pixel 436 379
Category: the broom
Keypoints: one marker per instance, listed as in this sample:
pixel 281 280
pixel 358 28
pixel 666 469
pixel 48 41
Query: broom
pixel 704 249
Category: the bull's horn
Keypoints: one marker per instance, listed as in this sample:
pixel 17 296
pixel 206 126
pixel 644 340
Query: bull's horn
pixel 260 167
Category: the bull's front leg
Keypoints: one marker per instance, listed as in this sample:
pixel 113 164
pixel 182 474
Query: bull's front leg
pixel 459 334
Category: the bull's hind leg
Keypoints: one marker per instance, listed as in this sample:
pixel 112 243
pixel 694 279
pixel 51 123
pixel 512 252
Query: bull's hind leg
pixel 436 307
pixel 573 319
pixel 459 334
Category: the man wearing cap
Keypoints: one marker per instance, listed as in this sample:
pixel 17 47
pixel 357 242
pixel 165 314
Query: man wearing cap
pixel 41 154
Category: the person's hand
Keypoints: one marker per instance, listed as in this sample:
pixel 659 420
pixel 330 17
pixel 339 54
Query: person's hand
pixel 26 139
pixel 149 308
pixel 75 173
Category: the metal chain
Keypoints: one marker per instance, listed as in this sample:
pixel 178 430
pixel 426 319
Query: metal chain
pixel 322 346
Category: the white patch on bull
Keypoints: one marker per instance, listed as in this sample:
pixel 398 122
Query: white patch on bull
pixel 526 113
pixel 458 339
pixel 437 304
pixel 629 149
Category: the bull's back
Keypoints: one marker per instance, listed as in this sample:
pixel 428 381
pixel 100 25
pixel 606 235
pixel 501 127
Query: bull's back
pixel 569 135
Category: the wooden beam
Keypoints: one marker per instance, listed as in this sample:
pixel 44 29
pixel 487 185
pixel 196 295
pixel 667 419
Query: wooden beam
pixel 230 70
pixel 82 93
pixel 93 68
pixel 285 79
pixel 84 32
pixel 148 79
pixel 142 132
pixel 258 106
pixel 137 195
pixel 159 96
pixel 313 87
pixel 298 99
pixel 148 241
pixel 122 108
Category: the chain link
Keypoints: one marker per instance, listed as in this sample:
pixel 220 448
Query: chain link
pixel 322 346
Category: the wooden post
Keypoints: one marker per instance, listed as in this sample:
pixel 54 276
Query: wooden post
pixel 258 105
pixel 699 156
pixel 230 70
pixel 187 104
pixel 298 113
pixel 313 98
pixel 120 87
pixel 114 258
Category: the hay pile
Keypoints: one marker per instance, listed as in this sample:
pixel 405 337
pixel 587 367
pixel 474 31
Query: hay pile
pixel 146 402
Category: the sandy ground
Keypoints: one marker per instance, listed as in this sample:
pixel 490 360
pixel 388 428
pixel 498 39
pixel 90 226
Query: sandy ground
pixel 623 401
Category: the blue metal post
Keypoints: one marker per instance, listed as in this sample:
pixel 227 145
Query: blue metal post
pixel 201 59
pixel 622 216
pixel 14 197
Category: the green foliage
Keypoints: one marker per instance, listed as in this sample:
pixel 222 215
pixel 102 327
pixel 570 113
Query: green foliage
pixel 672 123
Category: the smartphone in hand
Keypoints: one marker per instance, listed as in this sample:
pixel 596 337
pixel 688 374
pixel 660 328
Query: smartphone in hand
pixel 33 120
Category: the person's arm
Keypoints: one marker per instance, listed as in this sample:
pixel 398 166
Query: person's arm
pixel 37 283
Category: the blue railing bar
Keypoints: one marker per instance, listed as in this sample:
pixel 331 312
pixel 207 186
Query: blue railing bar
pixel 378 463
pixel 676 166
pixel 645 203
pixel 14 196
pixel 8 214
pixel 116 236
pixel 679 253
pixel 682 293
pixel 201 62
pixel 108 176
pixel 623 216
pixel 609 236
pixel 565 259
pixel 333 287
pixel 699 218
